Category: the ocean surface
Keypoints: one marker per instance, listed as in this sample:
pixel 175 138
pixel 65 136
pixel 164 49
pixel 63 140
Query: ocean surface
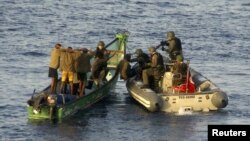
pixel 215 37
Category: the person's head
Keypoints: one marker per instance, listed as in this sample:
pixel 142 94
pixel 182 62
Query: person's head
pixel 58 45
pixel 170 35
pixel 179 58
pixel 127 57
pixel 101 45
pixel 69 49
pixel 138 52
pixel 84 50
pixel 151 49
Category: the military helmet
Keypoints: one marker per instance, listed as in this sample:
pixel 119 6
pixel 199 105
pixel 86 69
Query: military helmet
pixel 179 58
pixel 138 51
pixel 101 43
pixel 170 35
pixel 151 49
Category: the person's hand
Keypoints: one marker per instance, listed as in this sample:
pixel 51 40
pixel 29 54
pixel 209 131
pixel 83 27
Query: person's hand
pixel 163 43
pixel 162 48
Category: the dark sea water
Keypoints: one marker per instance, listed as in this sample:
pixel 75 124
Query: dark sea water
pixel 215 36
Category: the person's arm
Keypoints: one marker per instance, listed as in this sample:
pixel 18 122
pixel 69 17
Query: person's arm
pixel 124 70
pixel 154 61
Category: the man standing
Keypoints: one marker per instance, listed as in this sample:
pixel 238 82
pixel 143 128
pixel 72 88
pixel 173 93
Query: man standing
pixel 174 45
pixel 53 66
pixel 155 69
pixel 83 66
pixel 67 67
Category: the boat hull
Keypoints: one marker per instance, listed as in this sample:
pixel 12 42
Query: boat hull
pixel 172 101
pixel 66 104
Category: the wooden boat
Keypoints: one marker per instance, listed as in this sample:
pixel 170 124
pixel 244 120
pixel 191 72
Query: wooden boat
pixel 205 97
pixel 66 104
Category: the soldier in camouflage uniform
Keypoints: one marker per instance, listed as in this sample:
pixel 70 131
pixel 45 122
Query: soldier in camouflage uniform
pixel 174 45
pixel 156 67
pixel 142 59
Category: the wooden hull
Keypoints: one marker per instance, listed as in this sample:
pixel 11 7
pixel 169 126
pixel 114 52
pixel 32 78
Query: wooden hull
pixel 64 109
pixel 170 101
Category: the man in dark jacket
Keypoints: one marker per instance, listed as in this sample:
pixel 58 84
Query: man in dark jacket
pixel 142 59
pixel 174 45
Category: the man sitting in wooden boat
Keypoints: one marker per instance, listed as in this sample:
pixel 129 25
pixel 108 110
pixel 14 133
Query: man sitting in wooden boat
pixel 155 70
pixel 142 59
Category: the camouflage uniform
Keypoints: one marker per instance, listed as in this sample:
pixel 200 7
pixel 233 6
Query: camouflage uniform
pixel 142 59
pixel 156 67
pixel 174 45
pixel 180 71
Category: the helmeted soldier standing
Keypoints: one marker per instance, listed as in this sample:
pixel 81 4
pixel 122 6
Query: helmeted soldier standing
pixel 174 45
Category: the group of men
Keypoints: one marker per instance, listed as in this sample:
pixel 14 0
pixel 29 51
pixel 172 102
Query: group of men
pixel 153 66
pixel 74 65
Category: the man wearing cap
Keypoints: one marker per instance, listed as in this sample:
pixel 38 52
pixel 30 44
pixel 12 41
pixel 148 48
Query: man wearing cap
pixel 155 69
pixel 142 59
pixel 174 45
pixel 101 51
pixel 180 71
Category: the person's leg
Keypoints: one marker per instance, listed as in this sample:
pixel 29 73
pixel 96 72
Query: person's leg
pixel 71 87
pixel 145 77
pixel 81 88
pixel 63 79
pixel 54 76
pixel 71 78
pixel 84 81
pixel 53 85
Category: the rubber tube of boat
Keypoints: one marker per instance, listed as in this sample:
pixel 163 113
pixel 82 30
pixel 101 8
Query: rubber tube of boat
pixel 220 99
